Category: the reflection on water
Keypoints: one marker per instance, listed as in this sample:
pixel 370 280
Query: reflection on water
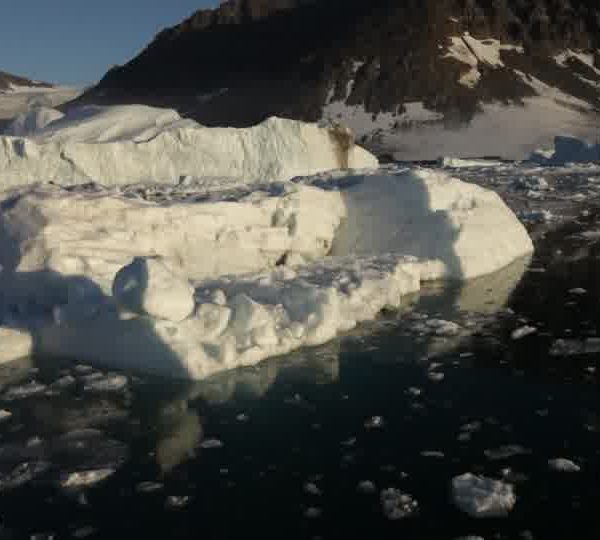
pixel 151 432
pixel 162 408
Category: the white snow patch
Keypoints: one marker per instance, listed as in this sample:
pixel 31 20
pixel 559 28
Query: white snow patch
pixel 482 497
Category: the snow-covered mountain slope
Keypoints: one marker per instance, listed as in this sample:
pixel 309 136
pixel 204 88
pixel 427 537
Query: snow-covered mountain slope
pixel 413 79
pixel 129 144
pixel 273 267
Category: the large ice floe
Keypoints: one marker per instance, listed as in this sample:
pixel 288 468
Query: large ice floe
pixel 129 144
pixel 186 282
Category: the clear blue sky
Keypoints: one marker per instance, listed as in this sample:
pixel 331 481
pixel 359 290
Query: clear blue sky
pixel 76 41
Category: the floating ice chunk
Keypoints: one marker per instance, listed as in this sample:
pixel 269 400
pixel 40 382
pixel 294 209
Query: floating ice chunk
pixel 570 347
pixel 436 454
pixel 62 383
pixel 367 487
pixel 112 382
pixel 24 391
pixel 23 474
pixel 313 512
pixel 578 291
pixel 521 332
pixel 209 444
pixel 312 489
pixel 148 286
pixel 85 479
pixel 375 422
pixel 507 451
pixel 5 415
pixel 563 465
pixel 149 487
pixel 397 505
pixel 14 344
pixel 482 497
pixel 177 501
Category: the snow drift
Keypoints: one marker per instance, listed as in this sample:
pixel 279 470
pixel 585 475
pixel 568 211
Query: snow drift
pixel 125 145
pixel 273 267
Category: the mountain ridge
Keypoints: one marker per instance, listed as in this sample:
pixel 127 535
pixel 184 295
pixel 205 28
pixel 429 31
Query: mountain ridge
pixel 250 59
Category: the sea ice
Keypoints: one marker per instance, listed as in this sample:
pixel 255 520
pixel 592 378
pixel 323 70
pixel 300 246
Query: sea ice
pixel 482 497
pixel 397 505
pixel 563 465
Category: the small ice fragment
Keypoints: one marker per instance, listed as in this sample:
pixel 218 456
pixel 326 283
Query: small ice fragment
pixel 522 331
pixel 577 290
pixel 83 369
pixel 414 391
pixel 84 479
pixel 210 444
pixel 366 487
pixel 34 441
pixel 177 501
pixel 349 442
pixel 482 497
pixel 313 512
pixel 84 532
pixel 242 417
pixel 63 382
pixel 570 347
pixel 5 415
pixel 435 376
pixel 24 391
pixel 312 489
pixel 397 505
pixel 148 487
pixel 109 383
pixel 375 422
pixel 23 474
pixel 563 465
pixel 505 452
pixel 432 454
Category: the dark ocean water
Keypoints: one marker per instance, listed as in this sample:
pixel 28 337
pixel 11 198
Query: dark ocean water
pixel 302 446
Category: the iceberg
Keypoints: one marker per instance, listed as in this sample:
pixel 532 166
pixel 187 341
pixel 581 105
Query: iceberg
pixel 131 144
pixel 191 283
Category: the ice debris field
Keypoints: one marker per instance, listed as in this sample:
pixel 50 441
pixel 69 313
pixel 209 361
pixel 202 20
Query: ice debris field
pixel 134 239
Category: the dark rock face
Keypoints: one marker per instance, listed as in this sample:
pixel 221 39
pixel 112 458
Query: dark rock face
pixel 250 59
pixel 6 79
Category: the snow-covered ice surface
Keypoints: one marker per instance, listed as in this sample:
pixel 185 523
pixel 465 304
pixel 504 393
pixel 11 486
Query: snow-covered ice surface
pixel 129 144
pixel 274 267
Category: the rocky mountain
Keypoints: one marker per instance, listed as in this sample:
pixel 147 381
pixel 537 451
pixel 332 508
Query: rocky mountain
pixel 7 81
pixel 387 68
